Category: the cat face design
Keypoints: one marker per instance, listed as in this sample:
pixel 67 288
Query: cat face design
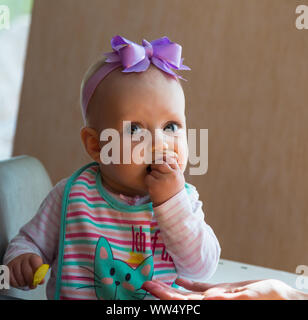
pixel 115 279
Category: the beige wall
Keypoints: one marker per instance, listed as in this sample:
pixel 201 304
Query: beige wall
pixel 248 86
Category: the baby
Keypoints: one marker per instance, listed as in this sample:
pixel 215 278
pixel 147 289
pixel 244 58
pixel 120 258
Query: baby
pixel 110 227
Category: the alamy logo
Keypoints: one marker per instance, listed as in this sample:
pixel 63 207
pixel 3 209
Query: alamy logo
pixel 4 17
pixel 301 21
pixel 138 147
pixel 302 280
pixel 4 277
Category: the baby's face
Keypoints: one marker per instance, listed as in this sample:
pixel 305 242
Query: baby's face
pixel 150 100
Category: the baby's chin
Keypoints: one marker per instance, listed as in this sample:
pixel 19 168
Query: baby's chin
pixel 140 190
pixel 136 185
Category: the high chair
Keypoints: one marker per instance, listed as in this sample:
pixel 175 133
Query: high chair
pixel 24 183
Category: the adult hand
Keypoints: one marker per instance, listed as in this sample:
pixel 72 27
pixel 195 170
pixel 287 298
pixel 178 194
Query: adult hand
pixel 269 289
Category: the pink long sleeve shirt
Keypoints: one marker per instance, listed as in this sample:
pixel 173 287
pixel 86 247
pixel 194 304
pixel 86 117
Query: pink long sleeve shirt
pixel 191 243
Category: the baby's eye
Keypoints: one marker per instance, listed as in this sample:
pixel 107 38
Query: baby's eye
pixel 171 127
pixel 135 128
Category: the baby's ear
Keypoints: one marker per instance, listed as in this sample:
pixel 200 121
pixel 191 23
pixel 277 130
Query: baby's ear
pixel 90 139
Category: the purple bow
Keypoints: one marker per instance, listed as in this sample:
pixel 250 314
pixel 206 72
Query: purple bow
pixel 163 53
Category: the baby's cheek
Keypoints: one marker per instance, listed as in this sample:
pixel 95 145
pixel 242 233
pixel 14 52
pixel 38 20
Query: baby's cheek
pixel 182 161
pixel 183 165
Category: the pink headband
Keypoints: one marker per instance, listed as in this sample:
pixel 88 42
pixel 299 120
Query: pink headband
pixel 163 53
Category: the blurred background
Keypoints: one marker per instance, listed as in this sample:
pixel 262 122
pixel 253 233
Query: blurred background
pixel 248 87
pixel 13 44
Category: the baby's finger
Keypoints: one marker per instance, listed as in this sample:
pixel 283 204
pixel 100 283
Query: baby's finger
pixel 163 168
pixel 35 262
pixel 13 281
pixel 156 174
pixel 174 166
pixel 18 275
pixel 27 272
pixel 172 161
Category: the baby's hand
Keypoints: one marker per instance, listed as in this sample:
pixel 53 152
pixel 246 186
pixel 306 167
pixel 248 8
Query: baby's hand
pixel 164 181
pixel 23 268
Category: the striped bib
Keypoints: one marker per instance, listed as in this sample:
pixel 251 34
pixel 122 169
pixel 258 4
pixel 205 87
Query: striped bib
pixel 107 248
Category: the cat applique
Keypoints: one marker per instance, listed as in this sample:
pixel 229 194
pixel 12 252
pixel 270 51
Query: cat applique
pixel 115 279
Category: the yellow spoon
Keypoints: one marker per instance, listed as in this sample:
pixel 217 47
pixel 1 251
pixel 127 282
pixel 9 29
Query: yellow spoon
pixel 40 274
